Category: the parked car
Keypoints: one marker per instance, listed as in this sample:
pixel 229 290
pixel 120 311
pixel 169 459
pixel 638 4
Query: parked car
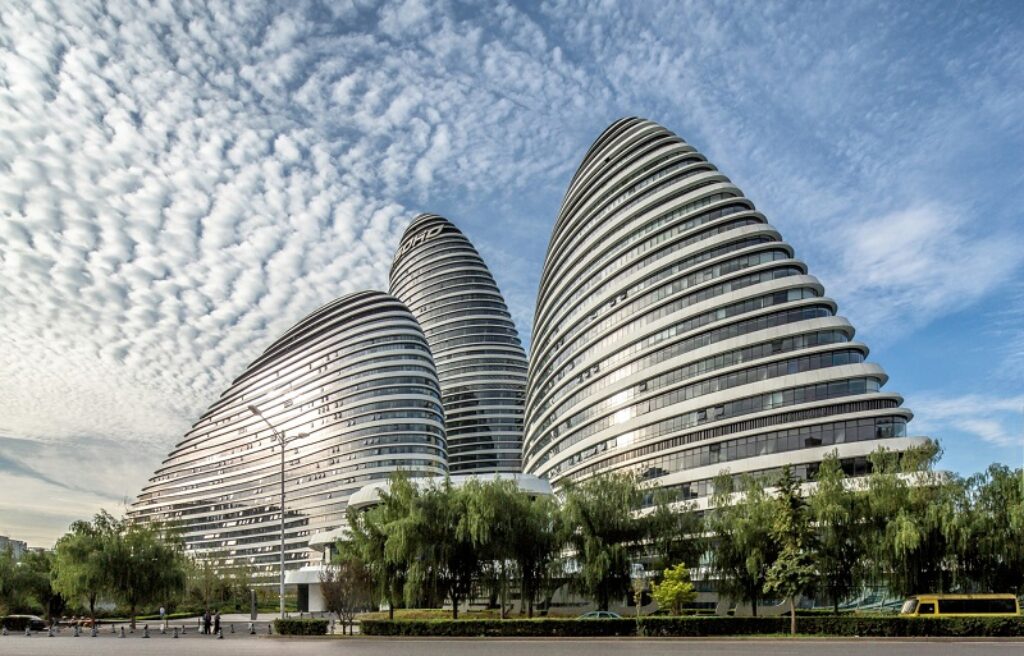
pixel 34 622
pixel 600 615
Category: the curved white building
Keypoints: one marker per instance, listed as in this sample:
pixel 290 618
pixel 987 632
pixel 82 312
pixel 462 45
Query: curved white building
pixel 677 335
pixel 480 361
pixel 353 388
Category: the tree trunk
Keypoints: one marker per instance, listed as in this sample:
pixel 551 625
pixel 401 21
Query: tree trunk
pixel 753 604
pixel 503 590
pixel 835 604
pixel 133 618
pixel 455 606
pixel 391 610
pixel 92 608
pixel 792 616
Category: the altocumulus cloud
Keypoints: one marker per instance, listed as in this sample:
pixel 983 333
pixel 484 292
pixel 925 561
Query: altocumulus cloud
pixel 180 182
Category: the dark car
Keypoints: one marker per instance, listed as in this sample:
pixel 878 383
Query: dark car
pixel 35 622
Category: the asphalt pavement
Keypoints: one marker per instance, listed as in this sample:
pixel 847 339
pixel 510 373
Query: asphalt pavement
pixel 260 645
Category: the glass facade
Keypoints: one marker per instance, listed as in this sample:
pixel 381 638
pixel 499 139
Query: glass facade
pixel 675 332
pixel 481 364
pixel 356 377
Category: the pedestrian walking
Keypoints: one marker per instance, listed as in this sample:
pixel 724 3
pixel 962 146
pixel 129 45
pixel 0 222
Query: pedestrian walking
pixel 216 622
pixel 163 619
pixel 206 623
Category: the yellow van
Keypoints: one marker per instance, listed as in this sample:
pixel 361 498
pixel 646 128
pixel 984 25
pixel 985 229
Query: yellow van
pixel 961 605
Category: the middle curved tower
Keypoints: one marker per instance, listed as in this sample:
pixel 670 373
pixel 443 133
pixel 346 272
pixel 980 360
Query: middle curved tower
pixel 480 361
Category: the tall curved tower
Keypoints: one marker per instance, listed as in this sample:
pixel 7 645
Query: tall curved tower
pixel 354 390
pixel 676 335
pixel 480 362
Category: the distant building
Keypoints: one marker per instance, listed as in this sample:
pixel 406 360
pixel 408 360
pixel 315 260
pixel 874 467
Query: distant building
pixel 16 547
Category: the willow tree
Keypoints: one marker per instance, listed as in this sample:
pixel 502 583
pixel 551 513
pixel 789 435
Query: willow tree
pixel 494 513
pixel 837 512
pixel 605 534
pixel 909 532
pixel 80 569
pixel 369 535
pixel 146 566
pixel 537 546
pixel 675 531
pixel 742 545
pixel 993 553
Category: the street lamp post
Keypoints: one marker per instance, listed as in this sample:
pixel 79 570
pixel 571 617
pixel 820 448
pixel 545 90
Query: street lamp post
pixel 281 439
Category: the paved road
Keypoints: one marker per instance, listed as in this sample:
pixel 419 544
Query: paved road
pixel 40 645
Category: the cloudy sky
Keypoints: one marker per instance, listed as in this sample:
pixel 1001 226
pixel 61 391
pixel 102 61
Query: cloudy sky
pixel 181 182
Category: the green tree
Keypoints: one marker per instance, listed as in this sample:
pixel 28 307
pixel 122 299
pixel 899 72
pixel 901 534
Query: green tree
pixel 536 545
pixel 205 584
pixel 9 592
pixel 992 551
pixel 79 569
pixel 146 566
pixel 742 546
pixel 675 530
pixel 793 571
pixel 605 534
pixel 369 532
pixel 837 514
pixel 675 589
pixel 494 512
pixel 434 541
pixel 910 535
pixel 34 579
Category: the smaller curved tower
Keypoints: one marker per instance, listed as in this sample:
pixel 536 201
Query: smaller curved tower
pixel 481 364
pixel 354 390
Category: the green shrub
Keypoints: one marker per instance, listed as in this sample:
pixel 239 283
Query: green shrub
pixel 300 627
pixel 843 625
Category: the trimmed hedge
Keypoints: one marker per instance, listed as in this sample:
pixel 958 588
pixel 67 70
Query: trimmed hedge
pixel 300 627
pixel 878 626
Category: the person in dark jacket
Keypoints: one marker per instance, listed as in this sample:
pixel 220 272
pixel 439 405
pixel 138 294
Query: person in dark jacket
pixel 206 623
pixel 216 622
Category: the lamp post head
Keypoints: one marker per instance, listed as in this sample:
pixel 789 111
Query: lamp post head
pixel 253 409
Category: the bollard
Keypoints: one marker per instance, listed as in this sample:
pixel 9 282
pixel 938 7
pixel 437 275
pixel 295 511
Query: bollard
pixel 183 627
pixel 28 632
pixel 252 629
pixel 163 629
pixel 175 632
pixel 270 628
pixel 95 631
pixel 232 628
pixel 145 631
pixel 220 635
pixel 122 632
